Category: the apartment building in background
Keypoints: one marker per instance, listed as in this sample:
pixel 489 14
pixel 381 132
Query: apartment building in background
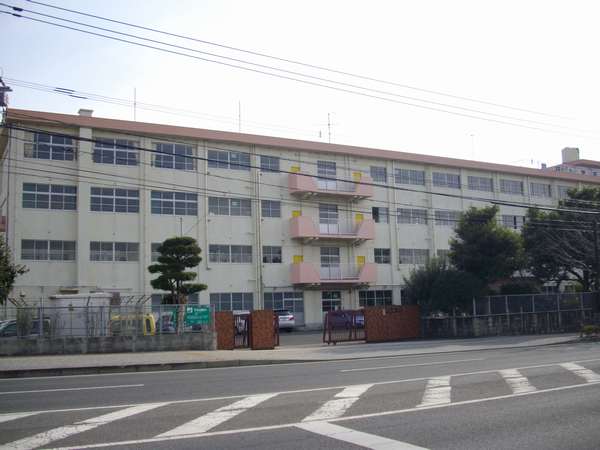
pixel 282 223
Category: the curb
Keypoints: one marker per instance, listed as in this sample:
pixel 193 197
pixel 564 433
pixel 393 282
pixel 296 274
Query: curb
pixel 132 368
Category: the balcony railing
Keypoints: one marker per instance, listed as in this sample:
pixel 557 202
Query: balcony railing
pixel 305 228
pixel 306 185
pixel 350 275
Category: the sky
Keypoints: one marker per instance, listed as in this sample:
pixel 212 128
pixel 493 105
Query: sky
pixel 527 55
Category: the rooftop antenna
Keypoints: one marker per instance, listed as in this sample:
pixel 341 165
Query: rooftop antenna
pixel 134 104
pixel 239 116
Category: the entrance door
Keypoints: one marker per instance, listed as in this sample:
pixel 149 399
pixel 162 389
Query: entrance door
pixel 327 169
pixel 328 219
pixel 330 263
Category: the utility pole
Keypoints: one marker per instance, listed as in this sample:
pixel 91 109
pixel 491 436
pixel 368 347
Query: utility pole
pixel 181 226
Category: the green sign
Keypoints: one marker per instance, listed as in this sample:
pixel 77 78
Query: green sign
pixel 197 315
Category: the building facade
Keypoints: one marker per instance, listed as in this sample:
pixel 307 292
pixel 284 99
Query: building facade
pixel 282 223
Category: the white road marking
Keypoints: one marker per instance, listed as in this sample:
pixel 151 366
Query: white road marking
pixel 437 392
pixel 56 434
pixel 339 419
pixel 516 381
pixel 72 389
pixel 588 375
pixel 15 416
pixel 209 421
pixel 412 365
pixel 340 404
pixel 365 440
pixel 297 391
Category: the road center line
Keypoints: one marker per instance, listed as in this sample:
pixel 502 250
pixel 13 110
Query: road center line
pixel 56 434
pixel 437 392
pixel 138 442
pixel 72 389
pixel 340 404
pixel 209 421
pixel 516 381
pixel 587 374
pixel 366 440
pixel 412 365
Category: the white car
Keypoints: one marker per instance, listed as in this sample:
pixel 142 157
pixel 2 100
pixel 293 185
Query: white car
pixel 286 319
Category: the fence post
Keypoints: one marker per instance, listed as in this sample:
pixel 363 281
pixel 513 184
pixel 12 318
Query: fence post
pixel 40 322
pixel 558 312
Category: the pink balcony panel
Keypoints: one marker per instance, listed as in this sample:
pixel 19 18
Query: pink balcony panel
pixel 310 185
pixel 305 228
pixel 310 274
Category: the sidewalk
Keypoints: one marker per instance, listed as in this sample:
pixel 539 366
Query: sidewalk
pixel 24 366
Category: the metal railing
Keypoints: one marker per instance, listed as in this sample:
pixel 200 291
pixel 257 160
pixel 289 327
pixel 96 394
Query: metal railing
pixel 335 185
pixel 338 228
pixel 343 326
pixel 340 272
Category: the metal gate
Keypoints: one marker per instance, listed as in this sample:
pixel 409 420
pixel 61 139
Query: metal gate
pixel 344 326
pixel 242 329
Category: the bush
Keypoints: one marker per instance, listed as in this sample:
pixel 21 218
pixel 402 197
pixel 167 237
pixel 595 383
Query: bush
pixel 590 330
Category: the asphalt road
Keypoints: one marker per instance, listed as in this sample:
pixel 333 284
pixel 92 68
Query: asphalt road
pixel 545 397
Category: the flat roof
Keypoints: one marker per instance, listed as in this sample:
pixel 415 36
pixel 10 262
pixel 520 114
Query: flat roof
pixel 127 126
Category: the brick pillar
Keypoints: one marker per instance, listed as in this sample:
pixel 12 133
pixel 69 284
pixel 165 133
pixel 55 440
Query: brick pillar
pixel 262 335
pixel 224 326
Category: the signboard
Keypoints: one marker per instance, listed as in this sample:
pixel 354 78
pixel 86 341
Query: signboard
pixel 197 315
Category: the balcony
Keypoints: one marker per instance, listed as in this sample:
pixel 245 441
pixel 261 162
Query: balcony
pixel 306 186
pixel 355 233
pixel 344 276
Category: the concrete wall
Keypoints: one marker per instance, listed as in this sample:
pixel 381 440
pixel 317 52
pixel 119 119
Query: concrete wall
pixel 110 344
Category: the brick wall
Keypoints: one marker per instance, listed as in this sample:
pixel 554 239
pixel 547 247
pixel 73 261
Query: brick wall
pixel 225 330
pixel 262 336
pixel 392 323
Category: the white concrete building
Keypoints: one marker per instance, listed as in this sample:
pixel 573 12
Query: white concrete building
pixel 85 200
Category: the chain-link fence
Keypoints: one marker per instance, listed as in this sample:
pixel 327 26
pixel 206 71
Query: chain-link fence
pixel 127 319
pixel 516 314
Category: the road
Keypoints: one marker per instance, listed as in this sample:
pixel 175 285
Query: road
pixel 544 397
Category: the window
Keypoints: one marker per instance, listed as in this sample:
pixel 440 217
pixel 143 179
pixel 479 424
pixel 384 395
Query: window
pixel 154 251
pixel 481 184
pixel 413 256
pixel 232 301
pixel 292 301
pixel 563 192
pixel 270 208
pixel 173 156
pixel 228 160
pixel 446 218
pixel 443 254
pixel 115 200
pixel 374 298
pixel 114 251
pixel 49 146
pixel 413 216
pixel 271 254
pixel 379 174
pixel 511 187
pixel 48 250
pixel 178 203
pixel 239 254
pixel 326 169
pixel 540 189
pixel 382 255
pixel 331 300
pixel 443 179
pixel 410 176
pixel 221 206
pixel 116 151
pixel 380 215
pixel 53 196
pixel 269 163
pixel 514 222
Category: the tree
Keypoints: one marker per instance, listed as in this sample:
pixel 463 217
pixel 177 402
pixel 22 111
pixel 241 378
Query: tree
pixel 440 287
pixel 559 245
pixel 176 255
pixel 8 272
pixel 483 248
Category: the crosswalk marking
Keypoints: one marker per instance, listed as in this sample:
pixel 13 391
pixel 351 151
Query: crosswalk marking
pixel 79 427
pixel 516 381
pixel 437 392
pixel 15 416
pixel 365 440
pixel 340 404
pixel 209 421
pixel 588 375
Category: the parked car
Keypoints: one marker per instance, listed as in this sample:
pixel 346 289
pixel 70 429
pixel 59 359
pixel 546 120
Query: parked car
pixel 286 319
pixel 9 328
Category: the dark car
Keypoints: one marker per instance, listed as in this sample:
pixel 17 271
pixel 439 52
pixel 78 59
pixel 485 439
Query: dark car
pixel 9 328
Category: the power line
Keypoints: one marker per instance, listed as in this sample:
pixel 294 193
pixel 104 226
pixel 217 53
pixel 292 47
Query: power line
pixel 286 60
pixel 319 84
pixel 250 166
